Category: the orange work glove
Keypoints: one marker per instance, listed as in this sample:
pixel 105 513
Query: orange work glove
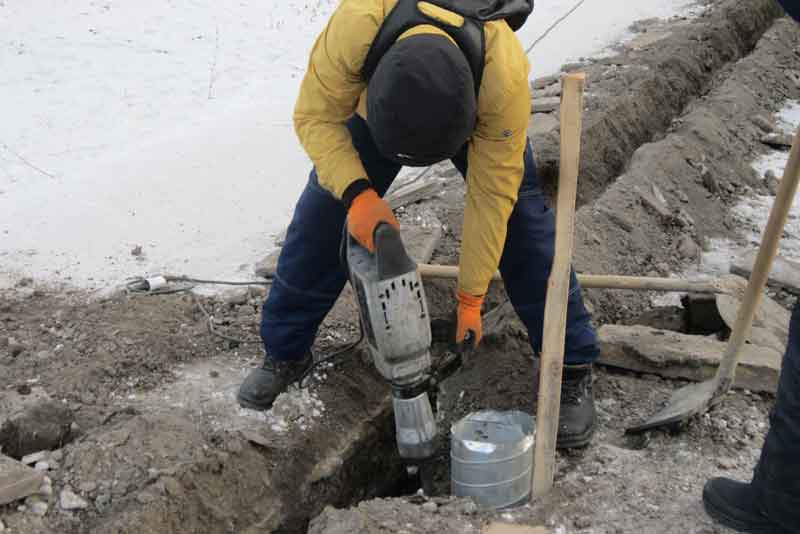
pixel 469 319
pixel 366 212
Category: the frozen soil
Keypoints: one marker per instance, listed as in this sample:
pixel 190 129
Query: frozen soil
pixel 159 444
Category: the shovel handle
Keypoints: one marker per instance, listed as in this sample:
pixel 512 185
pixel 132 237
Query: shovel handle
pixel 758 278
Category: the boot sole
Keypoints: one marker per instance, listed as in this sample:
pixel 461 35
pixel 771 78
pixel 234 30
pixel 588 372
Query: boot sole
pixel 245 403
pixel 720 516
pixel 579 441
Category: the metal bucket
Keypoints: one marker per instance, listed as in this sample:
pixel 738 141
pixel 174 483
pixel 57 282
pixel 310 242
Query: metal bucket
pixel 491 458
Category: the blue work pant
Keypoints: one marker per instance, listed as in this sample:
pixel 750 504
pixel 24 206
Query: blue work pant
pixel 310 277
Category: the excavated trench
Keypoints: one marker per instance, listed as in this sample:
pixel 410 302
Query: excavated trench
pixel 191 463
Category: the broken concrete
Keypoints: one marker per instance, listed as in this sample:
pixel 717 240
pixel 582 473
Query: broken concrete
pixel 17 480
pixel 785 274
pixel 414 192
pixel 770 315
pixel 673 355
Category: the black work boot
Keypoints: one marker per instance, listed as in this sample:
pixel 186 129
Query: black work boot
pixel 577 419
pixel 265 383
pixel 735 505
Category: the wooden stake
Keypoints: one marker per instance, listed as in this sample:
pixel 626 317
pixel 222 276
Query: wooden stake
pixel 555 312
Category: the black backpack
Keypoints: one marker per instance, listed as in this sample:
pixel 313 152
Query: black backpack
pixel 469 37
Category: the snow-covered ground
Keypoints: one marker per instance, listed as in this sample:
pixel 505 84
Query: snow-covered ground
pixel 753 212
pixel 166 124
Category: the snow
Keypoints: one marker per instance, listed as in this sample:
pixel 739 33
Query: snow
pixel 752 214
pixel 167 125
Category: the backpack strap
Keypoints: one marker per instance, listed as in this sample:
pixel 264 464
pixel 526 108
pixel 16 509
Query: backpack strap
pixel 405 15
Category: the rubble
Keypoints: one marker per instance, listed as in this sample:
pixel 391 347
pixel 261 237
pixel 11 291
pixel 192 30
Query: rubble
pixel 69 500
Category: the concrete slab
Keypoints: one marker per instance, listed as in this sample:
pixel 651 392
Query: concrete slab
pixel 770 315
pixel 785 274
pixel 17 480
pixel 545 105
pixel 414 192
pixel 674 355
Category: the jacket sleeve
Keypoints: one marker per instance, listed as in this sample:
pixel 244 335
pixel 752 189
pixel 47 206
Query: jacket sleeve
pixel 330 91
pixel 496 158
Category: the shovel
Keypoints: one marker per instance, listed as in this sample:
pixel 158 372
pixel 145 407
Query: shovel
pixel 697 398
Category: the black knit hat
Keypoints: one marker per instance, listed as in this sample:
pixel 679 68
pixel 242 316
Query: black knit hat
pixel 421 103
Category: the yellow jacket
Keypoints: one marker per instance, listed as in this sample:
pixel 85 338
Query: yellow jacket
pixel 333 90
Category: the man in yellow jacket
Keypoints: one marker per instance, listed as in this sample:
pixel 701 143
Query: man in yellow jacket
pixel 402 82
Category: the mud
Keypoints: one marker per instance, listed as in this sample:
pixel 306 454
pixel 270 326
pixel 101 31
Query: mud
pixel 159 444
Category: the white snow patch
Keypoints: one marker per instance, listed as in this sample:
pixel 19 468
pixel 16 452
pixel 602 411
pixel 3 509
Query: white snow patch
pixel 167 126
pixel 752 214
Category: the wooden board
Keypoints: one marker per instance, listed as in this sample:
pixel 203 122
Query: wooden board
pixel 507 528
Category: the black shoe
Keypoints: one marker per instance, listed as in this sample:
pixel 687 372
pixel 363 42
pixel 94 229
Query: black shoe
pixel 578 417
pixel 265 383
pixel 733 504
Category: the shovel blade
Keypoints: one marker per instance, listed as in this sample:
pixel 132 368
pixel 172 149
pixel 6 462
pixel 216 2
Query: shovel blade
pixel 686 402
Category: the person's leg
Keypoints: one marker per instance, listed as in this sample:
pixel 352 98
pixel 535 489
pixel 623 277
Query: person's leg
pixel 309 275
pixel 777 476
pixel 525 266
pixel 771 502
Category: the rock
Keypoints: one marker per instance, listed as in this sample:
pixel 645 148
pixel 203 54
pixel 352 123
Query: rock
pixel 545 105
pixel 777 140
pixel 30 459
pixel 25 282
pixel 36 426
pixel 237 297
pixel 103 502
pixel 674 355
pixel 15 349
pixel 683 197
pixel 618 218
pixel 784 274
pixel 87 487
pixel 545 92
pixel 136 251
pixel 46 489
pixel 430 507
pixel 709 182
pixel 414 191
pixel 68 500
pixel 654 201
pixel 544 81
pixel 687 249
pixel 542 123
pixel 726 463
pixel 763 123
pixel 36 506
pixel 469 508
pixel 702 315
pixel 772 182
pixel 17 480
pixel 42 466
pixel 2 526
pixel 684 219
pixel 57 455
